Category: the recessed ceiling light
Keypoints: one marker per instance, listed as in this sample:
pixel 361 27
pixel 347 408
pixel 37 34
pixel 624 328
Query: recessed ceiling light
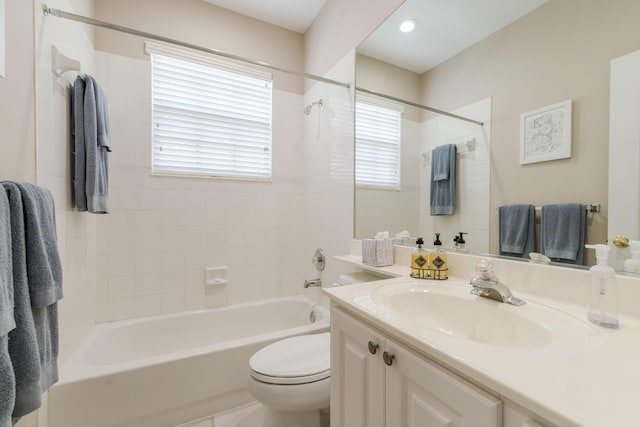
pixel 408 25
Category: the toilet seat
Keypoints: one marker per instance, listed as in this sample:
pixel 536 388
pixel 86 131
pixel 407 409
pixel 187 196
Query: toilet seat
pixel 297 360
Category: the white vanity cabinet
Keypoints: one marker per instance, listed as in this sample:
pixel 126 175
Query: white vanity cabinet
pixel 377 382
pixel 514 415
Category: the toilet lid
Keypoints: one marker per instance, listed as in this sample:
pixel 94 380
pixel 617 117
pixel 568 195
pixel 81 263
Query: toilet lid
pixel 294 360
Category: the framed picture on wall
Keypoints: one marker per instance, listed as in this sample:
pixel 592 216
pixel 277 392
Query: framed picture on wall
pixel 545 133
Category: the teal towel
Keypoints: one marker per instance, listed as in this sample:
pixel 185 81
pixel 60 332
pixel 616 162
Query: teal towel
pixel 443 180
pixel 517 230
pixel 563 232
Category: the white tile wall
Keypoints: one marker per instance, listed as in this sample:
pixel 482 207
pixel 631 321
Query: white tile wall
pixel 164 231
pixel 76 231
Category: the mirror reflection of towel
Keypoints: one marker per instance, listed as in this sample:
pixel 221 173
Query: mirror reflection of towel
pixel 443 180
pixel 440 163
pixel 563 231
pixel 517 229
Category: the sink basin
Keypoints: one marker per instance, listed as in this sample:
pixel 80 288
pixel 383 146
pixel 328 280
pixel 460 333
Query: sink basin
pixel 453 311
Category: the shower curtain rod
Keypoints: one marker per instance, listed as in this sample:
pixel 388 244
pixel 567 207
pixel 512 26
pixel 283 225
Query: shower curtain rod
pixel 413 104
pixel 66 15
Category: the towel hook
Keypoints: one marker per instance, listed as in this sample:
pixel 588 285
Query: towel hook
pixel 60 64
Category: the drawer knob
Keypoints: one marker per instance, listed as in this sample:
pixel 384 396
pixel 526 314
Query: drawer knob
pixel 388 358
pixel 373 347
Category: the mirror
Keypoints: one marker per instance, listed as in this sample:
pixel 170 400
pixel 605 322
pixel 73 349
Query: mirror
pixel 531 57
pixel 3 66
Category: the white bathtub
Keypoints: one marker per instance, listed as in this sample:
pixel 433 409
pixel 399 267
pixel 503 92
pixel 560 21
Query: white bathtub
pixel 167 370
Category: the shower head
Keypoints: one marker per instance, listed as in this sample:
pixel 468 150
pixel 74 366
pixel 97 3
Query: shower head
pixel 308 108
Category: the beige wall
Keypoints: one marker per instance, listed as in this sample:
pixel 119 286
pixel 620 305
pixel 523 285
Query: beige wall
pixel 340 27
pixel 560 51
pixel 202 24
pixel 388 79
pixel 17 88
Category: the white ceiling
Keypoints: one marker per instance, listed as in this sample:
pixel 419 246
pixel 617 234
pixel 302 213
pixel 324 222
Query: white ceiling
pixel 295 15
pixel 446 27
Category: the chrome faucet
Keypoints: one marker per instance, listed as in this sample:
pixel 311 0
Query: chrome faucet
pixel 487 285
pixel 313 282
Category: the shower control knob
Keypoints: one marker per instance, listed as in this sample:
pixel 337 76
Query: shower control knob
pixel 319 259
pixel 373 347
pixel 388 358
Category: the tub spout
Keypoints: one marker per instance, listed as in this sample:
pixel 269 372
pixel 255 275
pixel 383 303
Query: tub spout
pixel 313 282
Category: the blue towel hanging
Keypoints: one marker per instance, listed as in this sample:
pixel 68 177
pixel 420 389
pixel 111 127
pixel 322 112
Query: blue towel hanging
pixel 443 180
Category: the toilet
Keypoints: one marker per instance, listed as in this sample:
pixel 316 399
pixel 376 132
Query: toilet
pixel 291 377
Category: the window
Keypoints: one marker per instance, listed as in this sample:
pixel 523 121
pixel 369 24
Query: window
pixel 378 135
pixel 210 117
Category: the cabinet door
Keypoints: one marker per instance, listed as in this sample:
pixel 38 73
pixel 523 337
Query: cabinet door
pixel 357 375
pixel 422 394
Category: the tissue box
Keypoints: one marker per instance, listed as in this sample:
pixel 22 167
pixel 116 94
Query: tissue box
pixel 377 252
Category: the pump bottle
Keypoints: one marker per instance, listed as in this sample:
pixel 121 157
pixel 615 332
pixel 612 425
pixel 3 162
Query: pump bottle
pixel 632 265
pixel 438 261
pixel 603 305
pixel 459 242
pixel 420 261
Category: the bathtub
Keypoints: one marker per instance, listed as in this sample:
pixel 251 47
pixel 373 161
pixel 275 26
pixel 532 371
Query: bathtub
pixel 171 369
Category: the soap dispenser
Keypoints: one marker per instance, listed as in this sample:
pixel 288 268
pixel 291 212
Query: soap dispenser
pixel 438 261
pixel 459 242
pixel 420 261
pixel 603 306
pixel 632 265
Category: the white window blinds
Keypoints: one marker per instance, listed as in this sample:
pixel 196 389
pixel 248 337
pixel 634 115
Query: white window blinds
pixel 210 117
pixel 378 135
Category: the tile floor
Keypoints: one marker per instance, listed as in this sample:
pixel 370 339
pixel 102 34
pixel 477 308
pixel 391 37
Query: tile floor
pixel 244 416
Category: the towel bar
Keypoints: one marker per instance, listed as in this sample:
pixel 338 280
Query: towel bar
pixel 590 207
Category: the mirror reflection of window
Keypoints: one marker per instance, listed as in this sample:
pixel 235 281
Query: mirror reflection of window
pixel 378 142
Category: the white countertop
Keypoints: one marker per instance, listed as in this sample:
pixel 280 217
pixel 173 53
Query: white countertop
pixel 592 379
pixel 394 270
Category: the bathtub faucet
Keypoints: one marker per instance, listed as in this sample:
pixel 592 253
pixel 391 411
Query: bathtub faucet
pixel 313 282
